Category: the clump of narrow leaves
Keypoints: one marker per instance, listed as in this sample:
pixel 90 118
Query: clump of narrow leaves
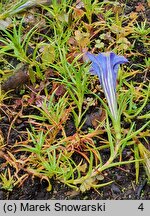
pixel 53 97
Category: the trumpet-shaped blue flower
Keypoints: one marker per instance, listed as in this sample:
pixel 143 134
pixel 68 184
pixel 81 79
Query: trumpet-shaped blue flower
pixel 105 66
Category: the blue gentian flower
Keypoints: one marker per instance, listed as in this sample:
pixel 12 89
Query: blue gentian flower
pixel 105 66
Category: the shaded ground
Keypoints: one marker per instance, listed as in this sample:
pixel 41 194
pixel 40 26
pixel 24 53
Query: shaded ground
pixel 124 186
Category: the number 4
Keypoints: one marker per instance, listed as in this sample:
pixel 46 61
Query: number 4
pixel 141 207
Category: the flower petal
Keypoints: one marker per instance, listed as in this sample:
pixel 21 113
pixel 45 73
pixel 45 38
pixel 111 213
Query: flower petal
pixel 116 62
pixel 105 66
pixel 95 64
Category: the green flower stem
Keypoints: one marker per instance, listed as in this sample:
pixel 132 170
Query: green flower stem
pixel 117 129
pixel 109 162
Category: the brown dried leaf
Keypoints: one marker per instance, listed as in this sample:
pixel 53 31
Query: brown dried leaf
pixel 140 7
pixel 19 78
pixel 78 13
pixel 82 38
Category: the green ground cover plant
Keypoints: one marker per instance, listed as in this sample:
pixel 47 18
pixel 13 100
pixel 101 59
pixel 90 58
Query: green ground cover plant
pixel 51 106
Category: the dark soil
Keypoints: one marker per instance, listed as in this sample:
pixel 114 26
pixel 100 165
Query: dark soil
pixel 124 186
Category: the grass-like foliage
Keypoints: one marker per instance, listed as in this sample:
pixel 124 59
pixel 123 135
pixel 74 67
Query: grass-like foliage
pixel 62 139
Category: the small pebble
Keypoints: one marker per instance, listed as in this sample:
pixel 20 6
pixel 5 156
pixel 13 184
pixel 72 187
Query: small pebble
pixel 115 189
